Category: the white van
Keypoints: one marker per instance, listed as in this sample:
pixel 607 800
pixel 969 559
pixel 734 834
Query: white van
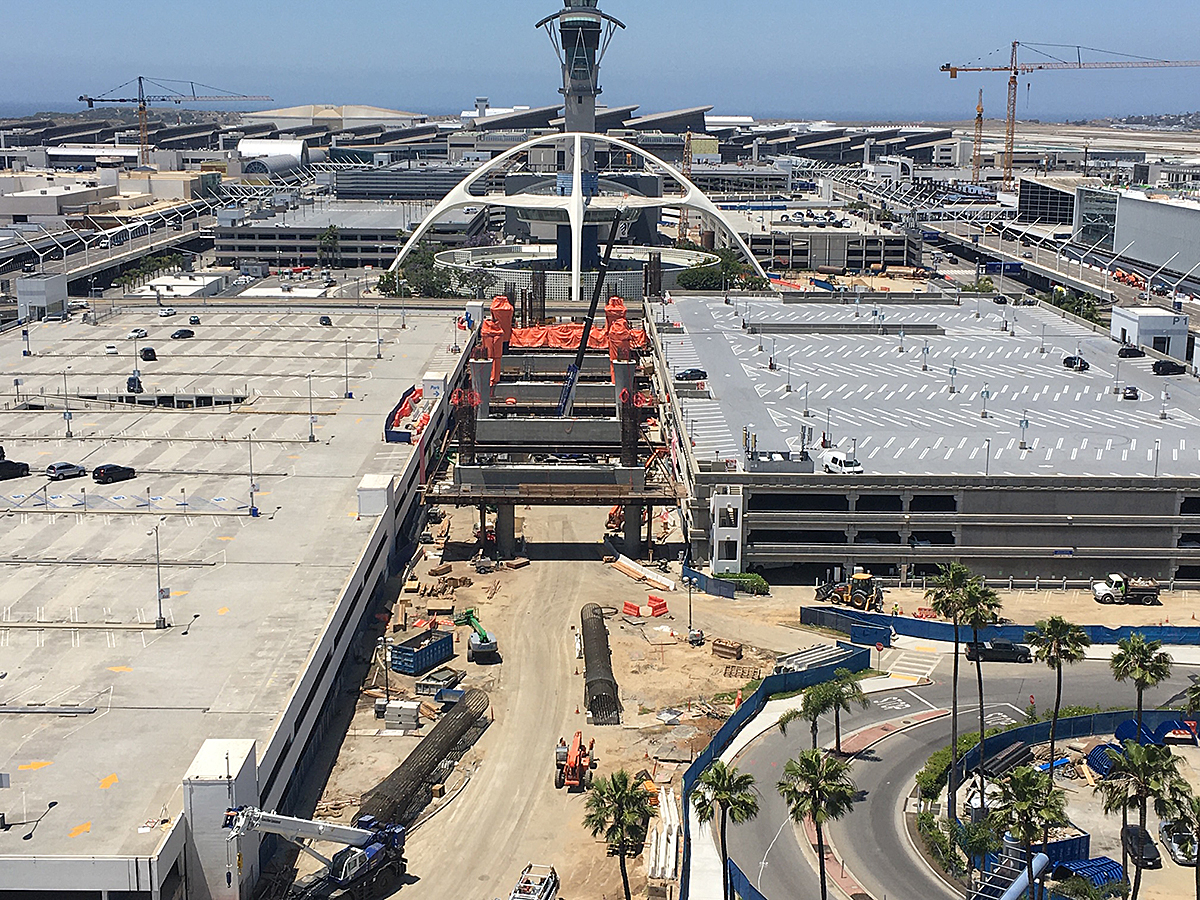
pixel 837 462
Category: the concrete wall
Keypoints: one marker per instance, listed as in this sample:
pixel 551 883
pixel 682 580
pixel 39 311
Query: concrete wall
pixel 223 775
pixel 1160 229
pixel 1151 327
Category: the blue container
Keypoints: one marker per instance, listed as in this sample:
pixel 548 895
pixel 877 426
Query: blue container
pixel 419 654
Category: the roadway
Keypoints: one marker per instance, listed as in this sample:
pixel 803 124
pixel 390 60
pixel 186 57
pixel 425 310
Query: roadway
pixel 872 839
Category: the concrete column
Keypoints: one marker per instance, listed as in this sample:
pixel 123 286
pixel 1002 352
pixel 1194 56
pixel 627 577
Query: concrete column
pixel 481 374
pixel 506 531
pixel 633 531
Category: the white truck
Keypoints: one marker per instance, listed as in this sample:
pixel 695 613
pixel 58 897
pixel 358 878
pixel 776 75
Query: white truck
pixel 1120 588
pixel 536 883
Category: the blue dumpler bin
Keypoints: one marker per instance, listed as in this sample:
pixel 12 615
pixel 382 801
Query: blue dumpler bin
pixel 419 654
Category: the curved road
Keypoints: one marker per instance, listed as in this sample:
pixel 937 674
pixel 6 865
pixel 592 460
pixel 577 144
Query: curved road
pixel 872 839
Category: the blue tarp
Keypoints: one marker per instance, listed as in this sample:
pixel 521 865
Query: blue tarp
pixel 1099 871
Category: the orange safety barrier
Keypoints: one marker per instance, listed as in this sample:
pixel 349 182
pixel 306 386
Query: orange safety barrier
pixel 656 601
pixel 631 609
pixel 926 612
pixel 657 611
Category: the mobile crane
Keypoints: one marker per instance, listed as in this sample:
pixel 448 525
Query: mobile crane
pixel 481 641
pixel 373 854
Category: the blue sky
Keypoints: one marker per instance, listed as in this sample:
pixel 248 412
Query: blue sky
pixel 796 58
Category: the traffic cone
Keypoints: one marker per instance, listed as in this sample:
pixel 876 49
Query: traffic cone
pixel 738 701
pixel 577 709
pixel 577 670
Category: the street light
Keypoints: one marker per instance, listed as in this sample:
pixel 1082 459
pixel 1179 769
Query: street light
pixel 66 402
pixel 987 456
pixel 807 412
pixel 348 395
pixel 1175 286
pixel 159 622
pixel 1113 262
pixel 378 339
pixel 1150 280
pixel 383 643
pixel 690 582
pixel 253 486
pixel 985 393
pixel 312 438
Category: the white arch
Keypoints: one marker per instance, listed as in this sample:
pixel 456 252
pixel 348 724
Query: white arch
pixel 575 205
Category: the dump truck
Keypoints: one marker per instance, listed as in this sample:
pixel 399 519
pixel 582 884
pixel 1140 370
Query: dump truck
pixel 573 764
pixel 1120 588
pixel 862 591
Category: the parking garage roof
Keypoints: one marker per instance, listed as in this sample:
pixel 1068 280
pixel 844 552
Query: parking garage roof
pixel 248 597
pixel 872 397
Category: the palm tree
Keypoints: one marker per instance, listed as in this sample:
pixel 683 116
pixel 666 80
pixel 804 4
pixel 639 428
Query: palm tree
pixel 731 791
pixel 981 606
pixel 618 808
pixel 817 701
pixel 844 693
pixel 818 786
pixel 946 597
pixel 1144 663
pixel 1141 774
pixel 977 840
pixel 1028 805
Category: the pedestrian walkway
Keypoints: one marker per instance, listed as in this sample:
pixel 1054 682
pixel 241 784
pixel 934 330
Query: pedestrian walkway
pixel 913 666
pixel 1181 654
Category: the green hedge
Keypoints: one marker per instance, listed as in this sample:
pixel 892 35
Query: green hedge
pixel 750 582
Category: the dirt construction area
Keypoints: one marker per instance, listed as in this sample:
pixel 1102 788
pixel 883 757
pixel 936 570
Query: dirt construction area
pixel 500 809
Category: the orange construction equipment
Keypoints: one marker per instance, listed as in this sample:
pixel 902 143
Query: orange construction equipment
pixel 573 765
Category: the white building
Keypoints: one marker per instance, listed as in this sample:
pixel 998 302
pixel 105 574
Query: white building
pixel 1150 326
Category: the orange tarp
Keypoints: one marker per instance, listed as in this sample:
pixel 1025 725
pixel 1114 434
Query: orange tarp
pixel 614 310
pixel 502 312
pixel 492 336
pixel 566 337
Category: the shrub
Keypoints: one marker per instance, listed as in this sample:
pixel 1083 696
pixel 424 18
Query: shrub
pixel 750 582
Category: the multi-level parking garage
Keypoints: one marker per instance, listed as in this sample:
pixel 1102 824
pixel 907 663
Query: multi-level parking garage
pixel 102 712
pixel 975 444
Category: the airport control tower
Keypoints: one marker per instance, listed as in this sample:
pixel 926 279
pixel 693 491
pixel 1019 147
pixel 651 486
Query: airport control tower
pixel 580 34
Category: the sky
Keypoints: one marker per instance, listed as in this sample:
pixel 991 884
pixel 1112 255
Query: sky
pixel 860 60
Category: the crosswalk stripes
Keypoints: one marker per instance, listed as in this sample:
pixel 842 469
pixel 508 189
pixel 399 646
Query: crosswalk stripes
pixel 912 665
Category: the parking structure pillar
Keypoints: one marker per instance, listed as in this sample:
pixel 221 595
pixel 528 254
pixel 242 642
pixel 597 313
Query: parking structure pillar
pixel 633 531
pixel 506 531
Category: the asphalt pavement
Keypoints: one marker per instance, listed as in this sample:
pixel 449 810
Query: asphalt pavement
pixel 872 839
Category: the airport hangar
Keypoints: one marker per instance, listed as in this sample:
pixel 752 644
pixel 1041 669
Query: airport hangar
pixel 931 399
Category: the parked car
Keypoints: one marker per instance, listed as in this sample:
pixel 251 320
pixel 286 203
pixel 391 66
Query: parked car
pixel 110 349
pixel 182 334
pixel 148 354
pixel 1000 298
pixel 1129 351
pixel 108 473
pixel 691 375
pixel 324 320
pixel 1130 393
pixel 1143 852
pixel 836 462
pixel 10 468
pixel 1177 839
pixel 133 385
pixel 136 334
pixel 166 312
pixel 1026 255
pixel 61 470
pixel 1078 363
pixel 193 320
pixel 1168 367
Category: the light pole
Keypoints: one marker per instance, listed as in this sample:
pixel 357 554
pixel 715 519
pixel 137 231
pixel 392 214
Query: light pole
pixel 1156 445
pixel 1042 349
pixel 378 339
pixel 690 582
pixel 984 394
pixel 788 388
pixel 1113 262
pixel 347 368
pixel 1175 287
pixel 828 428
pixel 925 357
pixel 953 372
pixel 312 438
pixel 159 622
pixel 382 644
pixel 1024 425
pixel 66 403
pixel 987 456
pixel 253 486
pixel 807 412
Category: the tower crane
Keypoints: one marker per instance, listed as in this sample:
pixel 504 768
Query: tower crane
pixel 977 155
pixel 169 95
pixel 1016 68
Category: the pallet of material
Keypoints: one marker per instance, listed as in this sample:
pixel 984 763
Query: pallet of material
pixel 726 649
pixel 412 586
pixel 519 563
pixel 443 569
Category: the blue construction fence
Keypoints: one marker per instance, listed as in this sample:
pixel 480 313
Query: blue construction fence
pixel 843 620
pixel 718 587
pixel 859 659
pixel 741 884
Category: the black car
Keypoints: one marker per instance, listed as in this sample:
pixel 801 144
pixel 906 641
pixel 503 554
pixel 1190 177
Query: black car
pixel 691 375
pixel 1168 367
pixel 193 320
pixel 182 333
pixel 1000 298
pixel 133 385
pixel 324 320
pixel 1078 363
pixel 1130 352
pixel 1142 850
pixel 109 473
pixel 148 354
pixel 12 469
pixel 1130 393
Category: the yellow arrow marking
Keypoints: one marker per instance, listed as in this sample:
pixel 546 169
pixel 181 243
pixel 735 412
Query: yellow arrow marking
pixel 34 766
pixel 359 419
pixel 119 669
pixel 222 610
pixel 106 783
pixel 225 537
pixel 178 593
pixel 80 829
pixel 294 456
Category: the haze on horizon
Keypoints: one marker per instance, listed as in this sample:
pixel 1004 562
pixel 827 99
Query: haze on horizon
pixel 869 60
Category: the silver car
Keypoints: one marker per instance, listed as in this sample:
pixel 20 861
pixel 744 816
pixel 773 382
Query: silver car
pixel 61 470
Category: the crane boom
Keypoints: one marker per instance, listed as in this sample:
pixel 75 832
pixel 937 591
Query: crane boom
pixel 245 819
pixel 1015 68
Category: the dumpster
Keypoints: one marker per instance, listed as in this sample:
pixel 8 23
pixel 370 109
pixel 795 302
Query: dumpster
pixel 419 654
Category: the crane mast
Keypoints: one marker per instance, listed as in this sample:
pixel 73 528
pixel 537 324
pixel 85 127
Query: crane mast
pixel 977 155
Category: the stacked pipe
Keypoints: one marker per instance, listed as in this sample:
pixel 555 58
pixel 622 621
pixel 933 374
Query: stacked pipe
pixel 599 685
pixel 664 837
pixel 395 798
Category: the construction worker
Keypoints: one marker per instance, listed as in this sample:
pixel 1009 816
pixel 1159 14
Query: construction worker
pixel 895 609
